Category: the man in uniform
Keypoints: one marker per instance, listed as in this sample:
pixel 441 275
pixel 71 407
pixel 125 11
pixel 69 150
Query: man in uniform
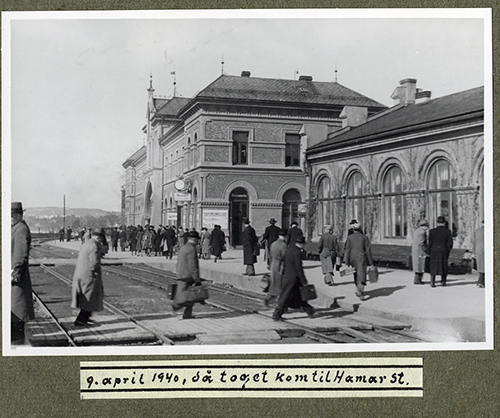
pixel 293 278
pixel 188 274
pixel 21 296
pixel 250 248
pixel 440 245
pixel 87 290
pixel 419 251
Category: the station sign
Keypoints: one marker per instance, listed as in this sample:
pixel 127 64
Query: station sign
pixel 213 217
pixel 182 197
pixel 302 209
pixel 171 216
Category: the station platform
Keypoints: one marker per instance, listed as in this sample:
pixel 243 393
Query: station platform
pixel 457 311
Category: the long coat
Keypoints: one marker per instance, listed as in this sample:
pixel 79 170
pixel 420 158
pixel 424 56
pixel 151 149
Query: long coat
pixel 217 241
pixel 249 240
pixel 21 297
pixel 419 250
pixel 87 290
pixel 294 233
pixel 479 249
pixel 358 253
pixel 277 257
pixel 440 245
pixel 293 278
pixel 328 248
pixel 170 238
pixel 187 263
pixel 205 242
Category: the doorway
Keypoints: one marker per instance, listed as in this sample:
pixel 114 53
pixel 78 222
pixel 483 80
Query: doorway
pixel 238 209
pixel 290 210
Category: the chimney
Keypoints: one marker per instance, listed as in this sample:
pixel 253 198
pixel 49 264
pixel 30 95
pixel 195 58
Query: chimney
pixel 245 73
pixel 422 96
pixel 353 116
pixel 405 92
pixel 305 78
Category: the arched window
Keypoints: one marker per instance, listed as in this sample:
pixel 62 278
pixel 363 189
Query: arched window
pixel 394 203
pixel 324 204
pixel 355 198
pixel 442 199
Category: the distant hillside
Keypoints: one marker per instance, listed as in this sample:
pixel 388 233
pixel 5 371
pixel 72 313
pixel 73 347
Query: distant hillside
pixel 48 212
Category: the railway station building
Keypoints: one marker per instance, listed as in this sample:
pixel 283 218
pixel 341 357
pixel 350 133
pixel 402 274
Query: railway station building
pixel 421 158
pixel 237 149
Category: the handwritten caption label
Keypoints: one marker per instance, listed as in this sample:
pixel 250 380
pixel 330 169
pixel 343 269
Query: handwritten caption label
pixel 360 377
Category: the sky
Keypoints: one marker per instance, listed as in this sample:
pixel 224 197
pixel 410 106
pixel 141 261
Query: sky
pixel 78 81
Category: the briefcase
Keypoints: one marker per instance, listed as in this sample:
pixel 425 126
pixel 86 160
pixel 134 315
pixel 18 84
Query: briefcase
pixel 373 274
pixel 308 292
pixel 191 294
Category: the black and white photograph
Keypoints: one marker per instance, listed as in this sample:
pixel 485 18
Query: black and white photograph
pixel 247 181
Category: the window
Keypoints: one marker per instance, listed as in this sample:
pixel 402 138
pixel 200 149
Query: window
pixel 355 198
pixel 292 150
pixel 324 204
pixel 394 204
pixel 240 147
pixel 442 198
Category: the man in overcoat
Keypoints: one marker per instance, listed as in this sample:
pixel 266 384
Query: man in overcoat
pixel 358 254
pixel 328 248
pixel 277 258
pixel 479 253
pixel 440 245
pixel 293 278
pixel 270 235
pixel 188 274
pixel 217 242
pixel 171 239
pixel 115 234
pixel 294 232
pixel 21 295
pixel 87 290
pixel 250 248
pixel 419 250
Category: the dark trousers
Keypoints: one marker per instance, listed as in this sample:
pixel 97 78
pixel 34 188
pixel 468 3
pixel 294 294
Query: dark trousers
pixel 433 279
pixel 480 279
pixel 83 316
pixel 17 332
pixel 418 278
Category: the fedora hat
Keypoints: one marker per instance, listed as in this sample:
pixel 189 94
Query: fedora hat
pixel 424 222
pixel 16 207
pixel 441 219
pixel 98 231
pixel 272 221
pixel 300 240
pixel 246 221
pixel 193 234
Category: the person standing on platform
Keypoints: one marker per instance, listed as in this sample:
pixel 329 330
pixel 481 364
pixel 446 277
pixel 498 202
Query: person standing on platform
pixel 205 243
pixel 61 235
pixel 188 274
pixel 123 239
pixel 277 259
pixel 293 233
pixel 250 248
pixel 440 245
pixel 328 249
pixel 217 242
pixel 87 290
pixel 147 240
pixel 69 232
pixel 270 235
pixel 21 295
pixel 139 237
pixel 115 235
pixel 419 251
pixel 171 239
pixel 358 254
pixel 479 253
pixel 133 240
pixel 293 278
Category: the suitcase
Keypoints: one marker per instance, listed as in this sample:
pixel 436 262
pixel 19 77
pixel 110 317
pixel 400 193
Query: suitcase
pixel 346 270
pixel 191 294
pixel 373 274
pixel 308 292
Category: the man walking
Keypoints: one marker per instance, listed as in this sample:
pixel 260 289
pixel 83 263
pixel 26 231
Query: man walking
pixel 217 242
pixel 171 239
pixel 358 254
pixel 277 258
pixel 21 296
pixel 328 249
pixel 293 233
pixel 188 274
pixel 250 248
pixel 440 245
pixel 419 251
pixel 270 235
pixel 87 290
pixel 293 278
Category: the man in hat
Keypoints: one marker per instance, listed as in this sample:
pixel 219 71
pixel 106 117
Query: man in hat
pixel 293 233
pixel 358 254
pixel 87 290
pixel 217 242
pixel 270 235
pixel 21 296
pixel 188 274
pixel 250 248
pixel 328 248
pixel 277 258
pixel 293 278
pixel 440 245
pixel 419 251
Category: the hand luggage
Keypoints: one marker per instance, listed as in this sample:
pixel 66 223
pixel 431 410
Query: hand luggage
pixel 346 270
pixel 191 294
pixel 373 274
pixel 308 292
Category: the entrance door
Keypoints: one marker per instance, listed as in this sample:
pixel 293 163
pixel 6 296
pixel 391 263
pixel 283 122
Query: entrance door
pixel 238 209
pixel 290 211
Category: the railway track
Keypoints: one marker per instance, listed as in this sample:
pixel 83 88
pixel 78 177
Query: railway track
pixel 223 299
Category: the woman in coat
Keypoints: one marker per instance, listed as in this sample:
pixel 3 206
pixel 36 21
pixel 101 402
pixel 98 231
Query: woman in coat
pixel 358 254
pixel 87 290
